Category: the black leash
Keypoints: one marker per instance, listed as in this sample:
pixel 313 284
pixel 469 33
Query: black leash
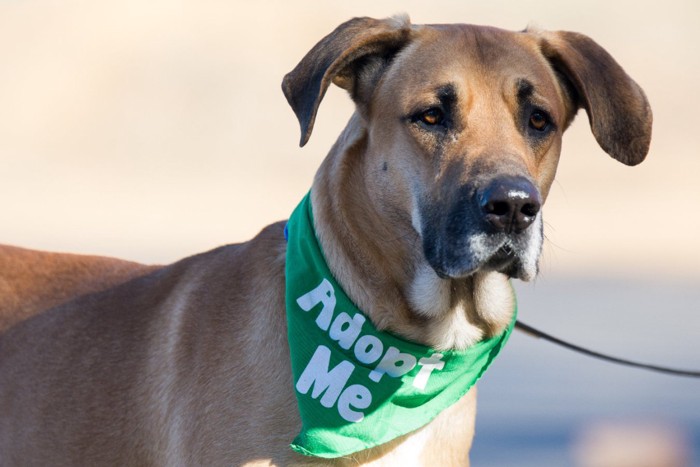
pixel 541 335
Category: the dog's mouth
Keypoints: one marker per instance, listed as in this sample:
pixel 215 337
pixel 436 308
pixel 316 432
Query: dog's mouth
pixel 515 256
pixel 502 260
pixel 511 263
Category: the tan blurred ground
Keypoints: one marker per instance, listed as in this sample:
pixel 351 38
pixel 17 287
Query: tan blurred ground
pixel 152 130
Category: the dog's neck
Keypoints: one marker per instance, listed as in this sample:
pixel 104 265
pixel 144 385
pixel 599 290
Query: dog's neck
pixel 379 260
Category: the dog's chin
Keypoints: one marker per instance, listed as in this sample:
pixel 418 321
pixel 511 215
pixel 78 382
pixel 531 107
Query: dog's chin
pixel 504 260
pixel 509 264
pixel 515 255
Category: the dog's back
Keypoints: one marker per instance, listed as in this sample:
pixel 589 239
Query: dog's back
pixel 33 281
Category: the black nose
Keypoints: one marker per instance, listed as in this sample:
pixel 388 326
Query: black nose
pixel 509 204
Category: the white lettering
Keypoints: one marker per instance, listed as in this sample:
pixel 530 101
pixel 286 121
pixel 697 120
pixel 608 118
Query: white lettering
pixel 368 349
pixel 394 363
pixel 356 396
pixel 328 385
pixel 325 294
pixel 346 329
pixel 429 364
pixel 317 374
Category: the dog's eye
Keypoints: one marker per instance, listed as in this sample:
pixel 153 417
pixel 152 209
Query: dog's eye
pixel 432 117
pixel 539 121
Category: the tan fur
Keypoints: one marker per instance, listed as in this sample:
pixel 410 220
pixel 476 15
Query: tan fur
pixel 33 281
pixel 189 364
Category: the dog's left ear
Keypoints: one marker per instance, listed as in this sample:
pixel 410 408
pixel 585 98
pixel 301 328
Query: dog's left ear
pixel 353 57
pixel 618 110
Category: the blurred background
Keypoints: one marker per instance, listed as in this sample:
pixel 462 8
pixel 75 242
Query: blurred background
pixel 154 130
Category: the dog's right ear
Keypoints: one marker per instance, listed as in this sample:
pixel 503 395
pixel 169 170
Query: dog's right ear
pixel 353 56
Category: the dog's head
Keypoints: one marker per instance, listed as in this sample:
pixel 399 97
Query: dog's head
pixel 463 127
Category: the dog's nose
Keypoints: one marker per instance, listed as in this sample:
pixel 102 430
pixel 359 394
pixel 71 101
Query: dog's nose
pixel 509 204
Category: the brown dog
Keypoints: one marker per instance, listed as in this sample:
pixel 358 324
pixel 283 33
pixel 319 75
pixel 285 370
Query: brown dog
pixel 425 206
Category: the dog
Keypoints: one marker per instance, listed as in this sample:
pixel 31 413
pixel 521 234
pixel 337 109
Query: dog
pixel 425 208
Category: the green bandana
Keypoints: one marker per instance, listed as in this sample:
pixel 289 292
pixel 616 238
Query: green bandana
pixel 358 387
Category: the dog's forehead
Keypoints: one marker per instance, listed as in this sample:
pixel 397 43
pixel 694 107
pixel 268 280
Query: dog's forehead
pixel 468 54
pixel 484 47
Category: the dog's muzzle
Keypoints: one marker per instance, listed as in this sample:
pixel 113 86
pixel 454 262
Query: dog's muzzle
pixel 496 226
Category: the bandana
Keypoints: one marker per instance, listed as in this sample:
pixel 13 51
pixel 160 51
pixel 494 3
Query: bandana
pixel 358 387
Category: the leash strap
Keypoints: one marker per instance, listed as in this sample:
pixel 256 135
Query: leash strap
pixel 621 361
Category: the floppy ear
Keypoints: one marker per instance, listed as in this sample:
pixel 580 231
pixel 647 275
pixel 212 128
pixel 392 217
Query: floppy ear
pixel 618 110
pixel 353 57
